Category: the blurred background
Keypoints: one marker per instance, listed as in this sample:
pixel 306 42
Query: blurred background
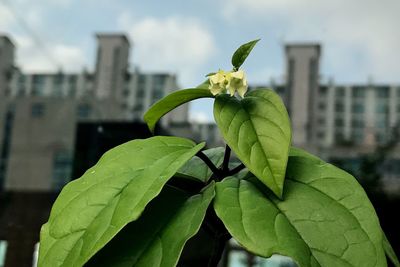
pixel 77 76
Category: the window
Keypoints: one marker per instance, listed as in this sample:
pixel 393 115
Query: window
pixel 339 107
pixel 62 164
pixel 358 108
pixel 380 138
pixel 37 110
pixel 38 82
pixel 57 84
pixel 291 71
pixel 3 250
pixel 138 107
pixel 382 92
pixel 340 92
pixel 140 92
pixel 323 90
pixel 382 108
pixel 339 137
pixel 381 124
pixel 357 123
pixel 321 106
pixel 358 136
pixel 84 111
pixel 158 93
pixel 320 135
pixel 72 82
pixel 125 92
pixel 358 91
pixel 339 122
pixel 313 75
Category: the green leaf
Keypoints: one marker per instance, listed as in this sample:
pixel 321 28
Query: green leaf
pixel 324 220
pixel 171 101
pixel 196 168
pixel 157 238
pixel 390 251
pixel 91 210
pixel 242 53
pixel 257 128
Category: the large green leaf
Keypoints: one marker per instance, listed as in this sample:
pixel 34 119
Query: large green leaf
pixel 171 101
pixel 324 220
pixel 196 168
pixel 157 238
pixel 390 251
pixel 257 128
pixel 242 53
pixel 91 210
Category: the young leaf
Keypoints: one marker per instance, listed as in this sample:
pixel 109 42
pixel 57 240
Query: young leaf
pixel 257 128
pixel 91 210
pixel 390 251
pixel 170 102
pixel 242 53
pixel 157 238
pixel 196 168
pixel 325 218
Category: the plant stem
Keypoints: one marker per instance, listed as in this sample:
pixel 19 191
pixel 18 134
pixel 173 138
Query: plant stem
pixel 221 236
pixel 225 164
pixel 209 163
pixel 218 249
pixel 236 169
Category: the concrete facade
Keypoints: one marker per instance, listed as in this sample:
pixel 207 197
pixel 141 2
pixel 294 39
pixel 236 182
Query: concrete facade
pixel 7 49
pixel 111 65
pixel 302 64
pixel 39 112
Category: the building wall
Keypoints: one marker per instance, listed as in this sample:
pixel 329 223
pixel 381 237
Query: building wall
pixel 6 63
pixel 45 128
pixel 302 64
pixel 111 65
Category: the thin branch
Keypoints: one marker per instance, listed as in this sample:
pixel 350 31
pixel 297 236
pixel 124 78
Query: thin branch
pixel 209 163
pixel 236 169
pixel 227 155
pixel 219 246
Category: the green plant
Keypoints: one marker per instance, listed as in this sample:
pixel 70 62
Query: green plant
pixel 143 200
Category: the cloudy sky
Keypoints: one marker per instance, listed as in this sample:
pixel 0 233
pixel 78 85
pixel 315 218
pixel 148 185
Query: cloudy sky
pixel 360 38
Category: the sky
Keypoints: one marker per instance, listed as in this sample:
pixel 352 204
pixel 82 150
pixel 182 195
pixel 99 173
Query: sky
pixel 360 38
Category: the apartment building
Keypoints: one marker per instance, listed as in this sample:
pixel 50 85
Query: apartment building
pixel 39 112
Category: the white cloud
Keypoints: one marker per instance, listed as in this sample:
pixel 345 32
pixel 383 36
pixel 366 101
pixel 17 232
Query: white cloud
pixel 174 43
pixel 6 17
pixel 359 36
pixel 33 59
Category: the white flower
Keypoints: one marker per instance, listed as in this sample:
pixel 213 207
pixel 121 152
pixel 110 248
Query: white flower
pixel 218 82
pixel 233 81
pixel 237 82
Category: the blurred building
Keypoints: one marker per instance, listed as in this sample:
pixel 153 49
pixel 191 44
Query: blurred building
pixel 39 112
pixel 341 122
